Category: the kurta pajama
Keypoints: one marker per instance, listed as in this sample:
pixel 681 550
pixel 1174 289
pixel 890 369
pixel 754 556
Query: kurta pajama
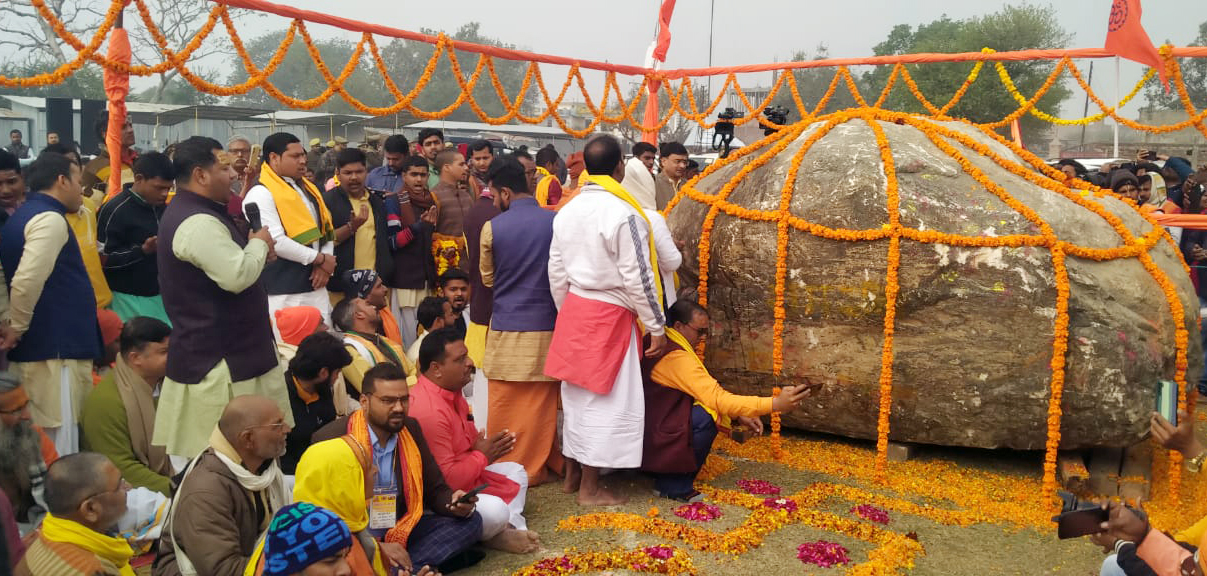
pixel 444 417
pixel 514 259
pixel 601 280
pixel 225 273
pixel 53 310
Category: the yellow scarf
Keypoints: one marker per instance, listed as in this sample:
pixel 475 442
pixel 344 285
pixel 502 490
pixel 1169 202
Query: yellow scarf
pixel 542 186
pixel 412 474
pixel 113 550
pixel 295 215
pixel 722 420
pixel 391 353
pixel 611 185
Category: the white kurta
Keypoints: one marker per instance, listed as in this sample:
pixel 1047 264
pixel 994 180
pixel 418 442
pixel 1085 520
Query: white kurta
pixel 669 258
pixel 289 249
pixel 600 251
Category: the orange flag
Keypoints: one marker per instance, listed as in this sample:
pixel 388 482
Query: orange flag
pixel 1126 38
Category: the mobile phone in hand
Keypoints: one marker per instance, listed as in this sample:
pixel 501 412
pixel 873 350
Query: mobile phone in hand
pixel 465 498
pixel 1078 523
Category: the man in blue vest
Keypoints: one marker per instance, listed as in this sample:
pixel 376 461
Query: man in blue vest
pixel 52 312
pixel 514 260
pixel 209 275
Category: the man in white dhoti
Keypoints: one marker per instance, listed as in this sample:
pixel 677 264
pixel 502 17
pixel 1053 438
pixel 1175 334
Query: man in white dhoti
pixel 603 275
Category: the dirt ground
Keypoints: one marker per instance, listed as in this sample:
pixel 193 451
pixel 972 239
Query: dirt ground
pixel 983 548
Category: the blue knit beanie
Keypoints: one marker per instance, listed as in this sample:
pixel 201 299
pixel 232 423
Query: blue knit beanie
pixel 302 534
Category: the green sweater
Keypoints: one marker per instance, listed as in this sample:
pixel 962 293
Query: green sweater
pixel 104 429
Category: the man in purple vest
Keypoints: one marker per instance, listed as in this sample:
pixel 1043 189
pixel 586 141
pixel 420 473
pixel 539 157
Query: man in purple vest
pixel 209 274
pixel 514 261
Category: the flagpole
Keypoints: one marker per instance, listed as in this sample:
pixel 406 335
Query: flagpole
pixel 1117 96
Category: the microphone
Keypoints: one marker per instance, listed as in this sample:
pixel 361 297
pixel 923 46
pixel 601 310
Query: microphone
pixel 253 216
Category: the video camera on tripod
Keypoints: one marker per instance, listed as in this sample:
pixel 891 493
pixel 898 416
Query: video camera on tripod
pixel 775 115
pixel 723 130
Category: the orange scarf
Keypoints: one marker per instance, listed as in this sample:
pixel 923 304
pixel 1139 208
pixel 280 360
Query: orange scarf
pixel 412 474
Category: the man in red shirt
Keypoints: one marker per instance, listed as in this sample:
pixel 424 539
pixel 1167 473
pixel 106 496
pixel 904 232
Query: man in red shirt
pixel 465 455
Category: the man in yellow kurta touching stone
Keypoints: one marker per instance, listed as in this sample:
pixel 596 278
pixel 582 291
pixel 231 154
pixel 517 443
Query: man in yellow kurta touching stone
pixel 679 391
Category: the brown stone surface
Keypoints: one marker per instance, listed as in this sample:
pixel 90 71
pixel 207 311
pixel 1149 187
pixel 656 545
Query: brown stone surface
pixel 974 325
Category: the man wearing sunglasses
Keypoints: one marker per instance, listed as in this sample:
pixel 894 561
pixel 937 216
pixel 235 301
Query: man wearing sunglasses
pixel 86 496
pixel 27 452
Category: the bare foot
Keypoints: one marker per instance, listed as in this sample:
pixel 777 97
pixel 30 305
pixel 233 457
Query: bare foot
pixel 601 497
pixel 574 476
pixel 514 541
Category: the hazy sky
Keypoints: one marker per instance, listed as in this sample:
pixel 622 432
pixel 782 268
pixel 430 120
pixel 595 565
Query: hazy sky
pixel 745 31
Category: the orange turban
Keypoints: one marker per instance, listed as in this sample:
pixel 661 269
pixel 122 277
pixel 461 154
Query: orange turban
pixel 575 164
pixel 111 325
pixel 297 322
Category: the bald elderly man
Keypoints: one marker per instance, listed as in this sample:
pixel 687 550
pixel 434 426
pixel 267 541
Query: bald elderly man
pixel 229 493
pixel 86 496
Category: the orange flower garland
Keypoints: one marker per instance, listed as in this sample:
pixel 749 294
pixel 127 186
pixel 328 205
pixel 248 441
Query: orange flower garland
pixel 683 103
pixel 1033 170
pixel 777 442
pixel 891 287
pixel 444 47
pixel 894 551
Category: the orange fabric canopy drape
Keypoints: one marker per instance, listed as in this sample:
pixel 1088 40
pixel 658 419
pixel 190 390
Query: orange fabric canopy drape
pixel 117 87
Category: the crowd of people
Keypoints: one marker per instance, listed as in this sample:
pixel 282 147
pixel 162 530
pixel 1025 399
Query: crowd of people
pixel 258 358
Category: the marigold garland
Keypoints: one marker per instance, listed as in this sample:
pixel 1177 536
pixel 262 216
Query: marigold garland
pixel 650 559
pixel 1032 169
pixel 894 551
pixel 446 254
pixel 682 95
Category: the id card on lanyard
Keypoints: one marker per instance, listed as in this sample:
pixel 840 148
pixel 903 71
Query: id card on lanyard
pixel 383 508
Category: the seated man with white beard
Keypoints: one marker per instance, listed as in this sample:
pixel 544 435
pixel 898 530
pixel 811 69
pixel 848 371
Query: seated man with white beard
pixel 27 452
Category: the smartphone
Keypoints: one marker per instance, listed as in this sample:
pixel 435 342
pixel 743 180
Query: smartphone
pixel 1167 400
pixel 1078 523
pixel 464 499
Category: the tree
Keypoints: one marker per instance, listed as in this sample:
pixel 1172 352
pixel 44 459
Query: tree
pixel 678 128
pixel 178 91
pixel 87 82
pixel 406 60
pixel 298 76
pixel 1194 75
pixel 31 39
pixel 1013 28
pixel 812 83
pixel 36 48
pixel 179 21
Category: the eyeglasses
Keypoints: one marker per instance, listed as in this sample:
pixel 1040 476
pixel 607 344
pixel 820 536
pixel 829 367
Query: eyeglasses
pixel 393 400
pixel 276 426
pixel 16 410
pixel 122 486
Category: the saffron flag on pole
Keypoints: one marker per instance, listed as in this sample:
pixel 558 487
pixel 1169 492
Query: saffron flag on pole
pixel 654 58
pixel 1126 38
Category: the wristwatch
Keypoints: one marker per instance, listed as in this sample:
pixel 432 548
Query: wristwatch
pixel 1195 464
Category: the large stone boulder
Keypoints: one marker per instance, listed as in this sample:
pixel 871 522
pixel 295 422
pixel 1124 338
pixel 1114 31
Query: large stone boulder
pixel 974 326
